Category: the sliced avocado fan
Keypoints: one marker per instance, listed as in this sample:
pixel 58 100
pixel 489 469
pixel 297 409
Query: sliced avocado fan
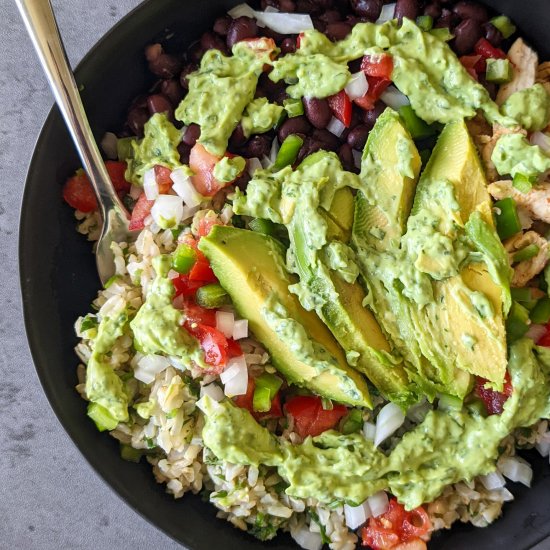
pixel 251 268
pixel 437 278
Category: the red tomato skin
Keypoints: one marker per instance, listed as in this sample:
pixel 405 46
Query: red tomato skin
pixel 162 176
pixel 206 225
pixel 141 210
pixel 309 416
pixel 202 163
pixel 212 342
pixel 378 65
pixel 246 402
pixel 202 271
pixel 233 348
pixel 196 314
pixel 544 340
pixel 494 400
pixel 376 88
pixel 341 107
pixel 78 193
pixel 185 287
pixel 116 170
pixel 487 50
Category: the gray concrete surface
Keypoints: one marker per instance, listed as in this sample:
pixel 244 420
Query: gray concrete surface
pixel 49 497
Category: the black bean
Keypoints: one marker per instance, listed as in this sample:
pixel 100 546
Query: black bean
pixel 211 41
pixel 287 6
pixel 187 70
pixel 238 139
pixel 221 25
pixel 466 34
pixel 358 137
pixel 310 146
pixel 241 29
pixel 313 6
pixel 329 140
pixel 493 35
pixel 367 8
pixel 318 25
pixel 433 10
pixel 277 37
pixel 184 151
pixel 160 63
pixel 195 52
pixel 346 157
pixel 338 31
pixel 330 16
pixel 295 125
pixel 471 10
pixel 372 115
pixel 258 146
pixel 269 3
pixel 137 117
pixel 172 90
pixel 288 45
pixel 242 181
pixel 317 111
pixel 491 87
pixel 158 103
pixel 355 65
pixel 446 19
pixel 406 8
pixel 191 135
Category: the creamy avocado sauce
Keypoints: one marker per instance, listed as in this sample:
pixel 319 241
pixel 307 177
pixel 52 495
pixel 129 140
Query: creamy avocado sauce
pixel 157 326
pixel 208 103
pixel 447 447
pixel 513 155
pixel 260 116
pixel 158 146
pixel 103 385
pixel 529 107
pixel 228 168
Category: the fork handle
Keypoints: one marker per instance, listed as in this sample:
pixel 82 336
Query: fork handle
pixel 42 27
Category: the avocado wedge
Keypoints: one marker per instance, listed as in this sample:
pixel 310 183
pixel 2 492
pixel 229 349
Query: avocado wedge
pixel 251 268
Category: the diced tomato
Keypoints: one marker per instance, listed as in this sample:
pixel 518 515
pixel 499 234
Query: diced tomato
pixel 162 177
pixel 233 348
pixel 309 416
pixel 299 40
pixel 202 163
pixel 340 105
pixel 212 342
pixel 487 50
pixel 202 271
pixel 379 65
pixel 395 526
pixel 494 400
pixel 246 402
pixel 472 63
pixel 206 224
pixel 376 88
pixel 261 46
pixel 116 171
pixel 185 287
pixel 141 210
pixel 196 314
pixel 79 194
pixel 544 340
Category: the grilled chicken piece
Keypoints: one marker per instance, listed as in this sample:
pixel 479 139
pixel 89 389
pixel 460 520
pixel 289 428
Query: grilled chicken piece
pixel 536 202
pixel 486 146
pixel 526 270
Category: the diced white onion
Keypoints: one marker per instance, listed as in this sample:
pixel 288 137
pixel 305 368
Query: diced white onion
pixel 378 503
pixel 253 164
pixel 284 23
pixel 357 515
pixel 266 162
pixel 172 274
pixel 393 98
pixel 213 391
pixel 240 329
pixel 185 188
pixel 225 323
pixel 369 430
pixel 493 480
pixel 242 10
pixel 386 14
pixel 149 366
pixel 357 155
pixel 357 86
pixel 504 495
pixel 167 210
pixel 135 192
pixel 108 144
pixel 535 332
pixel 389 419
pixel 336 127
pixel 516 469
pixel 307 539
pixel 235 377
pixel 274 151
pixel 150 185
pixel 418 412
pixel 542 140
pixel 543 444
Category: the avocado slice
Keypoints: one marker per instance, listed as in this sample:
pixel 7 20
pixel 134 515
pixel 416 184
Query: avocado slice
pixel 251 268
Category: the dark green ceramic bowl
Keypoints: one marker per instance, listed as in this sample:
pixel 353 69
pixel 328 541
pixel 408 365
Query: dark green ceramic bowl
pixel 59 281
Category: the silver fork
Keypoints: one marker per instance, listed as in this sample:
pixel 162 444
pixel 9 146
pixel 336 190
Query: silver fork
pixel 42 27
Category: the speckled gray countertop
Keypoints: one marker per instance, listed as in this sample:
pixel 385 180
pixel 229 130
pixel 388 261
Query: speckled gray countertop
pixel 49 496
